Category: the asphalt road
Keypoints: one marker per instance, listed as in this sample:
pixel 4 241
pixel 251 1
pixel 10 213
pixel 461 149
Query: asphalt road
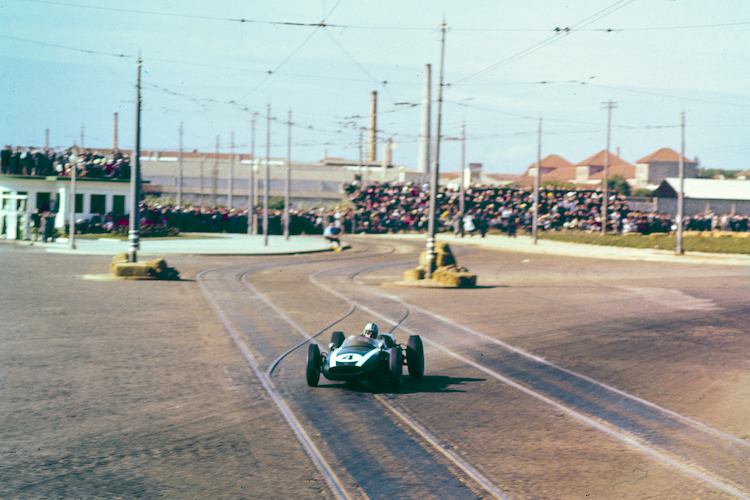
pixel 560 377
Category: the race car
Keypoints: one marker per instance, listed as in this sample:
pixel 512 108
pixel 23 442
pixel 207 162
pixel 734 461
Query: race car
pixel 369 356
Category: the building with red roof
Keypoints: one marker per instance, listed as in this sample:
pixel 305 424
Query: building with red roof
pixel 552 167
pixel 661 164
pixel 591 170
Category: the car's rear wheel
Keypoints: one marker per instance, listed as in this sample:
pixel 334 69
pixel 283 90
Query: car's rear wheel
pixel 337 339
pixel 396 368
pixel 313 365
pixel 415 357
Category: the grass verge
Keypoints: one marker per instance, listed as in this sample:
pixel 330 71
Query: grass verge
pixel 708 244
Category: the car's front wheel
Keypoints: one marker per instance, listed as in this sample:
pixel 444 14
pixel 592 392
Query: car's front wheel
pixel 313 365
pixel 415 357
pixel 396 367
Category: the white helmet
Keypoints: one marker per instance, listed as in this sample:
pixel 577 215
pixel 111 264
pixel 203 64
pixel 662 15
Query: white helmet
pixel 371 330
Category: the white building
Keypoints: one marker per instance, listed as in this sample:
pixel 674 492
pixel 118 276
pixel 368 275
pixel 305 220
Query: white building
pixel 704 196
pixel 21 195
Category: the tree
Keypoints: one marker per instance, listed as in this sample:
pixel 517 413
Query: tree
pixel 557 184
pixel 274 203
pixel 642 192
pixel 712 173
pixel 618 184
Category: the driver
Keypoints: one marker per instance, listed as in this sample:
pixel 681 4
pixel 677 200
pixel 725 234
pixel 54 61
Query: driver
pixel 371 330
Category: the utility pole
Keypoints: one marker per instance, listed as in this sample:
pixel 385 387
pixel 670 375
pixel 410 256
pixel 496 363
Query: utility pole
pixel 266 176
pixel 462 179
pixel 135 176
pixel 215 176
pixel 435 171
pixel 82 146
pixel 537 179
pixel 288 180
pixel 424 135
pixel 72 227
pixel 605 180
pixel 46 138
pixel 363 177
pixel 252 194
pixel 681 193
pixel 179 170
pixel 231 172
pixel 203 179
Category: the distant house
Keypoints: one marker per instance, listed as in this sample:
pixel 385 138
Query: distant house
pixel 664 163
pixel 704 196
pixel 743 176
pixel 552 168
pixel 452 180
pixel 591 170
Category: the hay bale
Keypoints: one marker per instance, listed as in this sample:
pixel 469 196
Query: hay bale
pixel 156 268
pixel 131 270
pixel 443 256
pixel 455 276
pixel 120 258
pixel 457 280
pixel 415 274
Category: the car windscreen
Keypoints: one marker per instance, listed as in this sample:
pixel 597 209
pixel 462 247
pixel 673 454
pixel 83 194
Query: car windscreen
pixel 360 341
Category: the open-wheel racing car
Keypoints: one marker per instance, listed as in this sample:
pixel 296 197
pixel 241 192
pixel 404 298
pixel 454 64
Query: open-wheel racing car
pixel 369 356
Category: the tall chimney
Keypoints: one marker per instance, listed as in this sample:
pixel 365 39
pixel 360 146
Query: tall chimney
pixel 114 138
pixel 371 143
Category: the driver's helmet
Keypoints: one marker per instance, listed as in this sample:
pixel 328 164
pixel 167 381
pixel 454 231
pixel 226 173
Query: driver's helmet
pixel 371 330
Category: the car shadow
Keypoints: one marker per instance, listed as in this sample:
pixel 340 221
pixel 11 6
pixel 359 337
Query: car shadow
pixel 428 383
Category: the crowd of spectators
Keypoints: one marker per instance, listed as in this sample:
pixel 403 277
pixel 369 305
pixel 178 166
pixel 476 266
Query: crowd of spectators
pixel 404 207
pixel 383 208
pixel 50 162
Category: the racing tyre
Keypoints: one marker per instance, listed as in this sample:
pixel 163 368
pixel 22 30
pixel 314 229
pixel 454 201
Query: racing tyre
pixel 313 365
pixel 337 339
pixel 396 367
pixel 415 357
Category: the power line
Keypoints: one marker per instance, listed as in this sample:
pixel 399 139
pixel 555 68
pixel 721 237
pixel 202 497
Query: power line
pixel 270 73
pixel 364 27
pixel 576 27
pixel 188 16
pixel 68 48
pixel 663 95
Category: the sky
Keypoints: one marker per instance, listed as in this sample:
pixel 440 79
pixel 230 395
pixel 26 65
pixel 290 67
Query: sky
pixel 68 66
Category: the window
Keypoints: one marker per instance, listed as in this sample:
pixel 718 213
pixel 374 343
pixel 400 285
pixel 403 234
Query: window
pixel 43 202
pixel 118 204
pixel 98 204
pixel 21 204
pixel 79 203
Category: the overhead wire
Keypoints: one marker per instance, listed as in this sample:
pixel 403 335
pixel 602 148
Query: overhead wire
pixel 364 27
pixel 270 73
pixel 558 35
pixel 358 65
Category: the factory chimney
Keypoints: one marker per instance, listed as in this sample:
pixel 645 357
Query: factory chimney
pixel 372 142
pixel 114 139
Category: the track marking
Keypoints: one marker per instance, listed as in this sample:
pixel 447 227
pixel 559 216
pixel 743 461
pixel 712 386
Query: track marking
pixel 317 458
pixel 702 475
pixel 462 464
pixel 543 361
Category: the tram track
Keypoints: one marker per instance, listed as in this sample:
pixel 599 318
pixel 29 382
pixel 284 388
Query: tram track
pixel 421 321
pixel 688 463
